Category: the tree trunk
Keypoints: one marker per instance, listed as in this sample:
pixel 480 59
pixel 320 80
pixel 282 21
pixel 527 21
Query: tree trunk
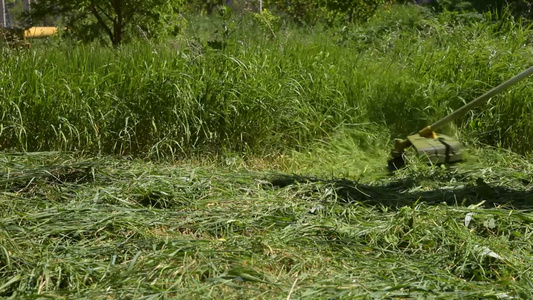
pixel 117 23
pixel 209 7
pixel 2 13
pixel 117 34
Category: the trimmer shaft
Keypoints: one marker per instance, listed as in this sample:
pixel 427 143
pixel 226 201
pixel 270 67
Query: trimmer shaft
pixel 443 149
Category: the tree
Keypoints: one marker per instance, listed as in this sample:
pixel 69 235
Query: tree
pixel 88 19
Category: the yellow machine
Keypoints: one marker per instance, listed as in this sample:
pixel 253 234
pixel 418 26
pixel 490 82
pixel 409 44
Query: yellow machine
pixel 36 32
pixel 17 37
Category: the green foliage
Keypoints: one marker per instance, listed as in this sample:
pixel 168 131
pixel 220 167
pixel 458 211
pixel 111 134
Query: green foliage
pixel 269 23
pixel 329 11
pixel 452 5
pixel 226 28
pixel 300 10
pixel 405 20
pixel 353 10
pixel 204 6
pixel 117 19
pixel 259 93
pixel 517 8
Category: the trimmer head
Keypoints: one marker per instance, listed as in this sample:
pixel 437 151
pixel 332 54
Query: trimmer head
pixel 439 149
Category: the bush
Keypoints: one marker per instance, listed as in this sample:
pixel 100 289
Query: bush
pixel 330 12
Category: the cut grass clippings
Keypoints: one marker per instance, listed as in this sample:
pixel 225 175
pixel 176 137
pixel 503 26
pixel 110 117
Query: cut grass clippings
pixel 115 228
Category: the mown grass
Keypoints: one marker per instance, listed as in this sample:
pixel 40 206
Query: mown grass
pixel 107 228
pixel 262 93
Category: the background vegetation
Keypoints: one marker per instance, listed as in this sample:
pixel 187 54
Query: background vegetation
pixel 257 84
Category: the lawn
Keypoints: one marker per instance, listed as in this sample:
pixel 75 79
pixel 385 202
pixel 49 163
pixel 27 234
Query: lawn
pixel 114 228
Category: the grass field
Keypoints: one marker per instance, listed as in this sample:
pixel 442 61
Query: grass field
pixel 251 164
pixel 113 229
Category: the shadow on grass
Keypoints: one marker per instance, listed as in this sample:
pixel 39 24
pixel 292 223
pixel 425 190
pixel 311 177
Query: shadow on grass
pixel 403 193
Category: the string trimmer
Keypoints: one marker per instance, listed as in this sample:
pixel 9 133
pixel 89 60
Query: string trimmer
pixel 440 148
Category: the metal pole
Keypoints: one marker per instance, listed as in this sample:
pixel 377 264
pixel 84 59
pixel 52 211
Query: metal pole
pixel 27 5
pixel 480 100
pixel 2 13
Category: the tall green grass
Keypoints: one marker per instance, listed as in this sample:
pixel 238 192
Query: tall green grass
pixel 261 93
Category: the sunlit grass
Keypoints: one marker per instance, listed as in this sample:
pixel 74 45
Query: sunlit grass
pixel 402 70
pixel 102 227
pixel 278 187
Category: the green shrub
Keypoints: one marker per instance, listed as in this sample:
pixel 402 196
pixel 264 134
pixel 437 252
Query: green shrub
pixel 331 11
